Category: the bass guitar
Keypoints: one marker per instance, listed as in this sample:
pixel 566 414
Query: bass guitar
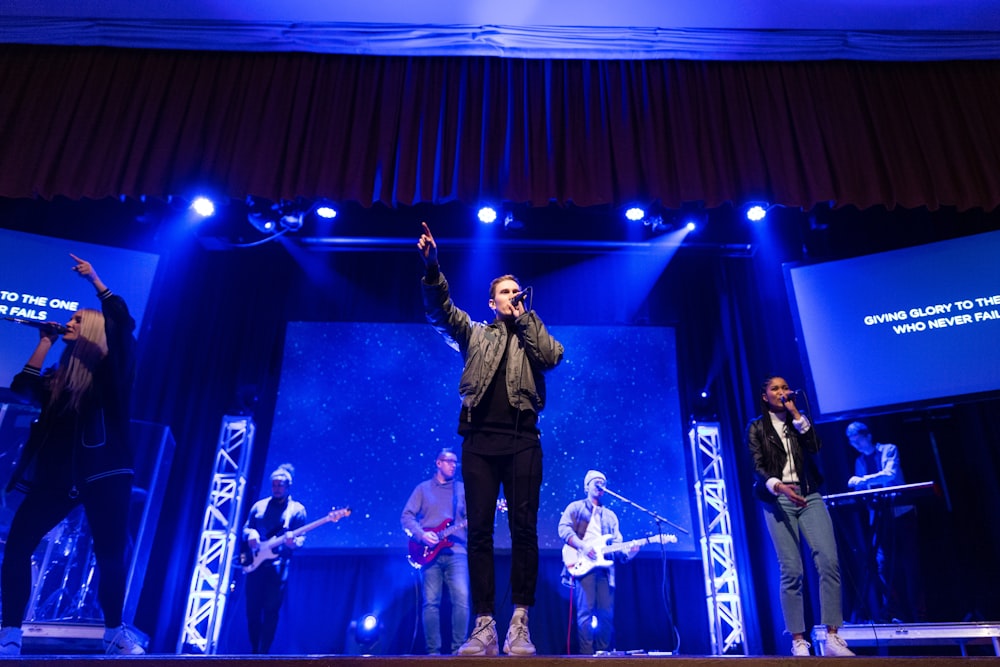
pixel 578 563
pixel 268 550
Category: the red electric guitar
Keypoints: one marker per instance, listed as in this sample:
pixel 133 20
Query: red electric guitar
pixel 422 554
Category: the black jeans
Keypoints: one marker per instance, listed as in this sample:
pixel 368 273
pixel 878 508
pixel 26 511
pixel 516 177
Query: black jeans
pixel 520 475
pixel 106 504
pixel 265 588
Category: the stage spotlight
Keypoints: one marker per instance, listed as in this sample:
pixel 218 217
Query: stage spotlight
pixel 366 632
pixel 274 218
pixel 203 206
pixel 757 211
pixel 487 214
pixel 703 406
pixel 262 222
pixel 326 211
pixel 292 220
pixel 691 226
pixel 635 214
pixel 593 622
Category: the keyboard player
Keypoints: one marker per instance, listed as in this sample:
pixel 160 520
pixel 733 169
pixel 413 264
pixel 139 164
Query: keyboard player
pixel 893 529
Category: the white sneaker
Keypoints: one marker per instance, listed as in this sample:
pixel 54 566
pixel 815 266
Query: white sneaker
pixel 483 640
pixel 122 641
pixel 10 641
pixel 836 646
pixel 800 647
pixel 518 640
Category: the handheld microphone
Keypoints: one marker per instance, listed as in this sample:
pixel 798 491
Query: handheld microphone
pixel 520 296
pixel 793 393
pixel 47 327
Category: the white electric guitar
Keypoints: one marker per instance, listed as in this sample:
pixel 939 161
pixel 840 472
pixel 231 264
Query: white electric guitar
pixel 578 563
pixel 267 550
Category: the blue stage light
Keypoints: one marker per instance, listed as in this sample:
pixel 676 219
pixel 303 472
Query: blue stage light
pixel 326 211
pixel 203 206
pixel 369 622
pixel 635 214
pixel 487 214
pixel 756 212
pixel 366 632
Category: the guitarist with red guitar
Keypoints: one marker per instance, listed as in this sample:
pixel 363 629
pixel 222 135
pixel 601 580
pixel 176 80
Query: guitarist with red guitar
pixel 266 584
pixel 434 519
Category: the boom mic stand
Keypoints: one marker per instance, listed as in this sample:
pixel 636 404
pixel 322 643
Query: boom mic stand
pixel 659 523
pixel 656 517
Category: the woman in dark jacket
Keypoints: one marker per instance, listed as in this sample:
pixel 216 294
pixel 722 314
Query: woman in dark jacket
pixel 783 442
pixel 78 453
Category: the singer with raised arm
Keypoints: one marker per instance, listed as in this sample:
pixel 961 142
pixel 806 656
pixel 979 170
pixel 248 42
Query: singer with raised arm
pixel 503 390
pixel 783 444
pixel 434 519
pixel 276 515
pixel 587 527
pixel 78 452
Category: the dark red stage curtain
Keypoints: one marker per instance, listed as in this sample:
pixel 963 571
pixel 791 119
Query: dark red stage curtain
pixel 95 122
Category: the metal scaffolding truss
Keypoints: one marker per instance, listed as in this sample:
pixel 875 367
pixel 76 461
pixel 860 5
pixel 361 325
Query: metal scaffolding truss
pixel 220 534
pixel 722 584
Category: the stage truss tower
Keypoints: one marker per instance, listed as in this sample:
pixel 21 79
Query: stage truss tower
pixel 722 585
pixel 220 535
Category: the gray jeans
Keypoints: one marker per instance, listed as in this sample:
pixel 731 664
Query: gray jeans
pixel 785 523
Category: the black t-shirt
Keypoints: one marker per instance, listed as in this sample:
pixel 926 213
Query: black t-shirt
pixel 870 462
pixel 496 427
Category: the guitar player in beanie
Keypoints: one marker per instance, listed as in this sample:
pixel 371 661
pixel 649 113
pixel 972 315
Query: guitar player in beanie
pixel 266 585
pixel 434 519
pixel 581 527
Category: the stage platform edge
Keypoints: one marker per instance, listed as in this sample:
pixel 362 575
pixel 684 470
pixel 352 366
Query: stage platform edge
pixel 538 661
pixel 912 634
pixel 67 638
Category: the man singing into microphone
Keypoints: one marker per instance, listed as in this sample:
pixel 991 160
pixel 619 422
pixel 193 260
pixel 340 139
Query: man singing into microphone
pixel 503 390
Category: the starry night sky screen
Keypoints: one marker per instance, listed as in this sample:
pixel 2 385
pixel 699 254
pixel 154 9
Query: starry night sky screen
pixel 363 408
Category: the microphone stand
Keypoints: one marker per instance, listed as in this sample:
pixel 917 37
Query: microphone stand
pixel 656 517
pixel 659 526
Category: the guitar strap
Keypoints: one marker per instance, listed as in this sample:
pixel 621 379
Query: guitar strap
pixel 594 527
pixel 454 500
pixel 286 520
pixel 286 516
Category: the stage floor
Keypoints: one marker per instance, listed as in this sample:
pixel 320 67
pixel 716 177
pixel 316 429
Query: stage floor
pixel 540 661
pixel 56 643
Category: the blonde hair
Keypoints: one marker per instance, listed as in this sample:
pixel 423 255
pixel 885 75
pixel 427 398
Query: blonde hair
pixel 75 373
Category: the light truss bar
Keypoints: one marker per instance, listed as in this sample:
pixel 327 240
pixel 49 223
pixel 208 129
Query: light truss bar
pixel 219 538
pixel 722 584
